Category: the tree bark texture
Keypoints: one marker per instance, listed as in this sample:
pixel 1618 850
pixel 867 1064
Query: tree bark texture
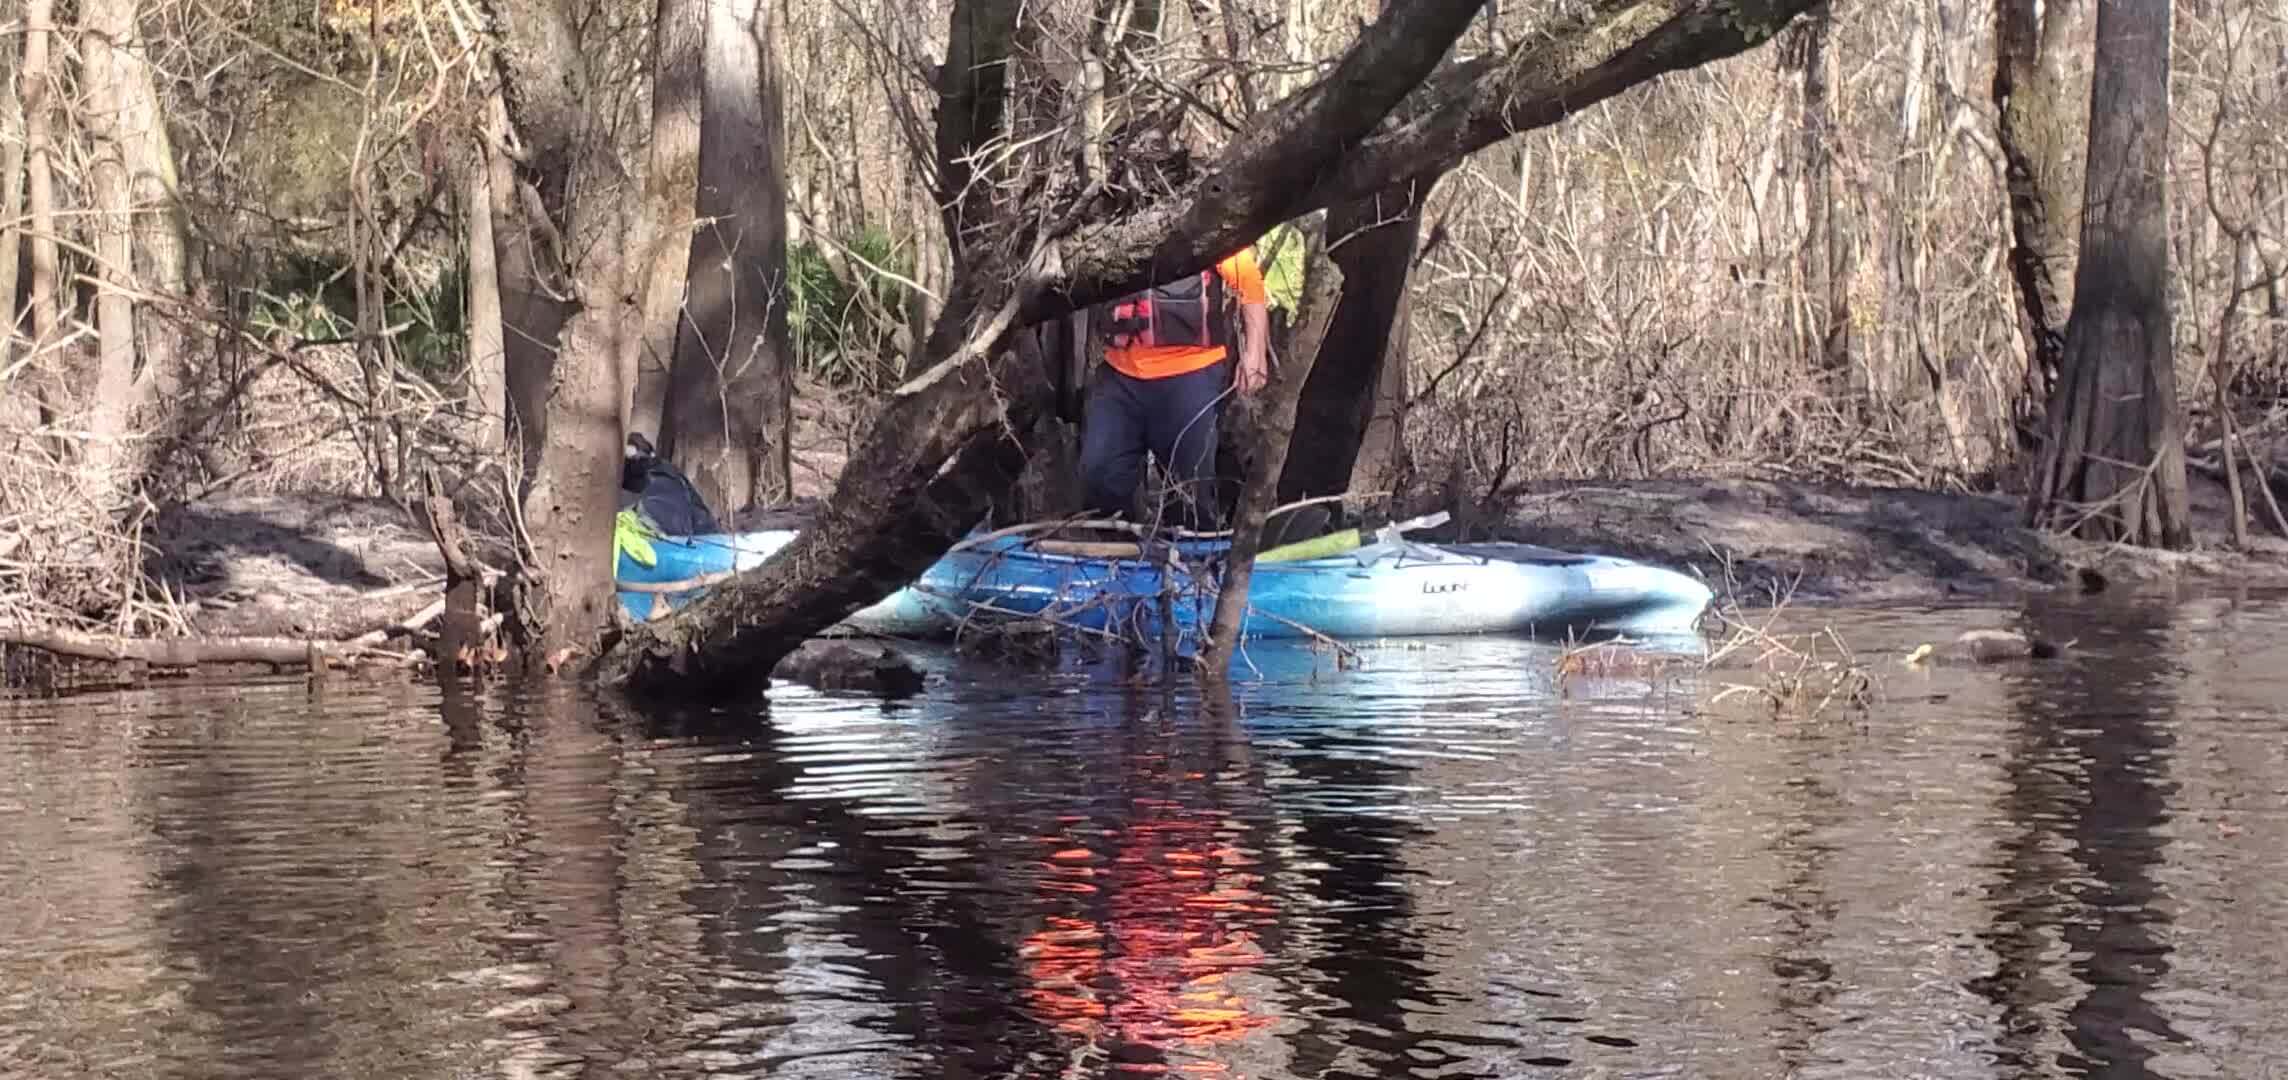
pixel 39 166
pixel 973 94
pixel 11 196
pixel 2037 126
pixel 1316 319
pixel 160 228
pixel 928 468
pixel 525 247
pixel 1371 241
pixel 1826 254
pixel 106 459
pixel 1382 461
pixel 572 221
pixel 900 504
pixel 728 422
pixel 488 387
pixel 671 184
pixel 2113 465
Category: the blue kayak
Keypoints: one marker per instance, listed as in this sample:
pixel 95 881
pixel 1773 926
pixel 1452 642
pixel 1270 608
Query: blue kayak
pixel 1390 587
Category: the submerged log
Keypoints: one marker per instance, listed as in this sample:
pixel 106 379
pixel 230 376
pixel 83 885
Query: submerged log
pixel 826 664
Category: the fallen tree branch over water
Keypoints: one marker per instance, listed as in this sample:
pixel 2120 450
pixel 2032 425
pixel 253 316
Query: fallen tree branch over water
pixel 952 440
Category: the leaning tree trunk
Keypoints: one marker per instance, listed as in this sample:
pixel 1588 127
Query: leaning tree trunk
pixel 569 223
pixel 728 423
pixel 1314 320
pixel 2038 120
pixel 671 181
pixel 2113 465
pixel 1371 241
pixel 940 452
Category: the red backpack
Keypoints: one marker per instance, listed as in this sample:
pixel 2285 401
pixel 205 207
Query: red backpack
pixel 1187 311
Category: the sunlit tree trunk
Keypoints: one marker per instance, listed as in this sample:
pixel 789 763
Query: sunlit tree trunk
pixel 160 228
pixel 105 460
pixel 569 221
pixel 2039 122
pixel 2113 462
pixel 730 392
pixel 671 183
pixel 11 195
pixel 488 389
pixel 39 168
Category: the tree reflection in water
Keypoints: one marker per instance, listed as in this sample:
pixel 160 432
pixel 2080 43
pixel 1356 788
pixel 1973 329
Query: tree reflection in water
pixel 2086 798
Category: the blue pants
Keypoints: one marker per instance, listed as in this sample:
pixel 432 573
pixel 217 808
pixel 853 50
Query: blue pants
pixel 1174 418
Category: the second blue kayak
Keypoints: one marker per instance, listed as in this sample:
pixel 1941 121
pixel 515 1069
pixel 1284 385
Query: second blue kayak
pixel 1388 588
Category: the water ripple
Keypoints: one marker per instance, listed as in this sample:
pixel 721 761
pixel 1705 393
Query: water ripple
pixel 1442 864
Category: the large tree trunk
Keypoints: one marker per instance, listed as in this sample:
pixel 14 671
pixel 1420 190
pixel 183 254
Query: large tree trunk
pixel 1371 241
pixel 106 462
pixel 728 423
pixel 939 453
pixel 671 184
pixel 2113 464
pixel 525 246
pixel 1382 461
pixel 570 220
pixel 160 229
pixel 2039 121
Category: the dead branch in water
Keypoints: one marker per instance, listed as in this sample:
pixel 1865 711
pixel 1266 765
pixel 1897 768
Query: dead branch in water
pixel 189 652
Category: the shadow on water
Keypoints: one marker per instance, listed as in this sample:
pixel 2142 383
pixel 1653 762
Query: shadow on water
pixel 2086 798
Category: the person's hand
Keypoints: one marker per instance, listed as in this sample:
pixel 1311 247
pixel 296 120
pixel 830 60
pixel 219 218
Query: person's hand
pixel 1253 375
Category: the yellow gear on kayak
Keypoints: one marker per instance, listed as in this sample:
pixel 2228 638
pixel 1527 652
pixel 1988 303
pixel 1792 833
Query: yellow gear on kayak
pixel 1317 547
pixel 632 537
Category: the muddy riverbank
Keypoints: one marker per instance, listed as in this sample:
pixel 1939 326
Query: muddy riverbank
pixel 1859 545
pixel 305 564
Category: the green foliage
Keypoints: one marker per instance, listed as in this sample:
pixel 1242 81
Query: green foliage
pixel 1280 253
pixel 312 298
pixel 632 534
pixel 845 326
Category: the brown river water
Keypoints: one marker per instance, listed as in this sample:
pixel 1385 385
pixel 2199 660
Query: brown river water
pixel 1437 866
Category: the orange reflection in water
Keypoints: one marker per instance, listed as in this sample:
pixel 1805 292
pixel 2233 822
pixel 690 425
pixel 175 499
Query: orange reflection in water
pixel 1166 926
